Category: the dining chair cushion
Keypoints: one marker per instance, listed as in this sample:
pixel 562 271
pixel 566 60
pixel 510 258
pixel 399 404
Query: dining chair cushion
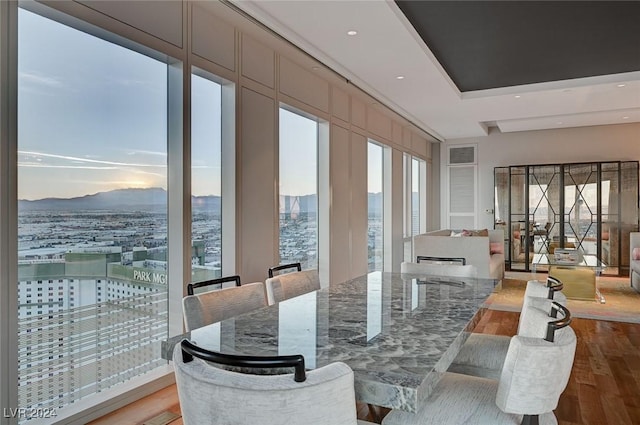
pixel 456 270
pixel 482 355
pixel 285 286
pixel 460 399
pixel 211 395
pixel 214 306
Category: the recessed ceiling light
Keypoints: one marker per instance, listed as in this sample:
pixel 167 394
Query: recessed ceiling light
pixel 352 32
pixel 625 118
pixel 315 68
pixel 559 123
pixel 400 77
pixel 517 96
pixel 621 85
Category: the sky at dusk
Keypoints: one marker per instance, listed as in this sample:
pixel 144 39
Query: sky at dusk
pixel 92 117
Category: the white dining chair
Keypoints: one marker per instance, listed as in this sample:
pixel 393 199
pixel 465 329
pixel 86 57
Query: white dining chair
pixel 212 395
pixel 289 285
pixel 456 270
pixel 483 355
pixel 213 306
pixel 534 374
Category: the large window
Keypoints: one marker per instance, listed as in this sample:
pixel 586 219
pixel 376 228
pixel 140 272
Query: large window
pixel 298 189
pixel 92 178
pixel 418 196
pixel 375 184
pixel 206 178
pixel 415 201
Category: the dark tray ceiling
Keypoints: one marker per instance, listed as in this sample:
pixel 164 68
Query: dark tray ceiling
pixel 491 44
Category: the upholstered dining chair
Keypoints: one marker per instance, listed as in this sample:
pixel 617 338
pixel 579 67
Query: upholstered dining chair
pixel 483 355
pixel 192 287
pixel 534 374
pixel 213 306
pixel 439 269
pixel 213 395
pixel 289 285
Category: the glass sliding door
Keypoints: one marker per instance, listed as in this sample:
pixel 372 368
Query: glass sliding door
pixel 581 206
pixel 518 218
pixel 544 208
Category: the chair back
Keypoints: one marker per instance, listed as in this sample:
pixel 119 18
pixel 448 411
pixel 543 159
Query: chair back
pixel 235 279
pixel 285 286
pixel 211 395
pixel 210 307
pixel 538 313
pixel 439 269
pixel 272 270
pixel 535 373
pixel 551 290
pixel 460 261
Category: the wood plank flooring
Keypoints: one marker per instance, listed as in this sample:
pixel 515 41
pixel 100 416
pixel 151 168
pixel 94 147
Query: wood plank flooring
pixel 604 387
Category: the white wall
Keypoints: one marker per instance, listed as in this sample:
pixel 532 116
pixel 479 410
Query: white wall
pixel 582 144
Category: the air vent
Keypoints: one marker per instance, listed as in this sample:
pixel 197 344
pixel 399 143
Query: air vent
pixel 462 155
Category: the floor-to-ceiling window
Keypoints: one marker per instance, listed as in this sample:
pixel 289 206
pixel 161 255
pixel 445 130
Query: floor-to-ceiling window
pixel 206 178
pixel 298 190
pixel 92 211
pixel 415 200
pixel 418 196
pixel 375 204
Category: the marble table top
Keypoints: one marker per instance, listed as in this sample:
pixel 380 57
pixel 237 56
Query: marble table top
pixel 398 332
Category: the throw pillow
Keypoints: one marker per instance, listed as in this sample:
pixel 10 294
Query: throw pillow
pixel 455 234
pixel 483 232
pixel 636 253
pixel 496 248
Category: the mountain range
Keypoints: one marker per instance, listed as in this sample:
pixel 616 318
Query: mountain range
pixel 154 199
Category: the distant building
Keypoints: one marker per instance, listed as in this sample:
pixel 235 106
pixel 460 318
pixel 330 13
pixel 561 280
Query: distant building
pixel 89 322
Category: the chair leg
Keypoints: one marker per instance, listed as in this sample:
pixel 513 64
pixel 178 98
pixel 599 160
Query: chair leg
pixel 530 420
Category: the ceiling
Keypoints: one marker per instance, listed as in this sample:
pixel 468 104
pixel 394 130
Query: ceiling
pixel 470 66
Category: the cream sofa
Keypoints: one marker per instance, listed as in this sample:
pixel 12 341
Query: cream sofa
pixel 634 265
pixel 474 249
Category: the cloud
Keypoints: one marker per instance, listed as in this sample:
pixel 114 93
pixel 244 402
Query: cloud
pixel 43 80
pixel 143 152
pixel 88 160
pixel 81 167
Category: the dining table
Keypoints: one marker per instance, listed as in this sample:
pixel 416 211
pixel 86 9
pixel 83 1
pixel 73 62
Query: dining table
pixel 398 332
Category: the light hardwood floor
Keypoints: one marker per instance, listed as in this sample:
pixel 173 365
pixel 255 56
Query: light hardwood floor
pixel 604 387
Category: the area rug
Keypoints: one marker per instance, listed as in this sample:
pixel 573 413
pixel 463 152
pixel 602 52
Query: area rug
pixel 622 303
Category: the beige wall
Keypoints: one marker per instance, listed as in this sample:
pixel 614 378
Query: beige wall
pixel 581 144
